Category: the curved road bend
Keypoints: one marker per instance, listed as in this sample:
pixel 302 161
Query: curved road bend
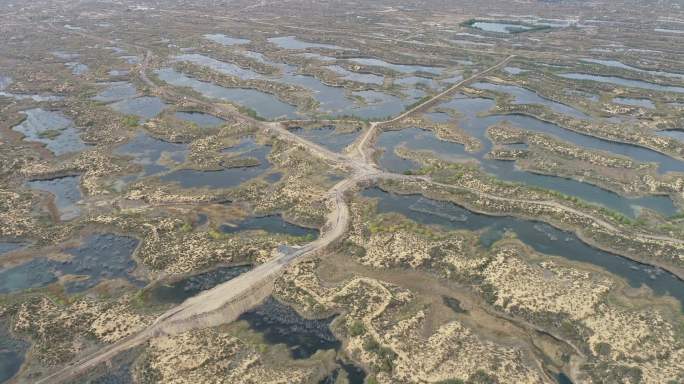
pixel 200 311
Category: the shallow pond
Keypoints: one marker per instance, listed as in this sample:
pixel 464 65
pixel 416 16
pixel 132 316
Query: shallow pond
pixel 264 104
pixel 491 26
pixel 32 274
pixel 203 120
pixel 439 117
pixel 674 133
pixel 563 379
pixel 452 80
pixel 525 96
pixel 540 236
pixel 9 247
pixel 271 224
pixel 280 324
pixel 333 101
pixel 223 67
pixel 521 146
pixel 12 352
pixel 225 40
pixel 273 177
pixel 99 257
pixel 618 64
pixel 417 80
pixel 225 178
pixel 291 42
pixel 178 291
pixel 418 139
pixel 403 68
pixel 148 151
pixel 513 70
pixel 667 30
pixel 623 82
pixel 645 103
pixel 366 78
pixel 258 56
pixel 327 137
pixel 354 374
pixel 36 98
pixel 77 68
pixel 66 191
pixel 130 59
pixel 117 72
pixel 65 55
pixel 145 107
pixel 476 126
pixel 117 50
pixel 6 81
pixel 116 91
pixel 53 129
pixel 245 144
pixel 317 56
pixel 336 101
pixel 381 105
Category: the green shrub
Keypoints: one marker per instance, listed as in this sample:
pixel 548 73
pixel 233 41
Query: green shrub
pixel 131 121
pixel 357 329
pixel 49 134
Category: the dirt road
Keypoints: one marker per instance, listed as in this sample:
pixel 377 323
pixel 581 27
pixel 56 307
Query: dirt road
pixel 227 301
pixel 363 146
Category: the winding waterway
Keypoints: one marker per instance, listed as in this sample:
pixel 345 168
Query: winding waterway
pixel 476 125
pixel 540 236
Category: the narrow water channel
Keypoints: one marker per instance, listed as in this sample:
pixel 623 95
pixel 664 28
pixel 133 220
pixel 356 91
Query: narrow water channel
pixel 541 237
pixel 332 100
pixel 475 125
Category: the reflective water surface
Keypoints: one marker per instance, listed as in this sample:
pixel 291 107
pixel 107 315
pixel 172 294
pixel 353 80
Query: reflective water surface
pixel 540 236
pixel 53 129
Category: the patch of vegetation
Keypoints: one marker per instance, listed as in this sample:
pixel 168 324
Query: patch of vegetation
pixel 309 237
pixel 356 329
pixel 603 349
pixel 604 373
pixel 186 227
pixel 131 121
pixel 481 377
pixel 417 103
pixel 389 223
pixel 454 304
pixel 385 355
pixel 50 134
pixel 250 112
pixel 217 235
